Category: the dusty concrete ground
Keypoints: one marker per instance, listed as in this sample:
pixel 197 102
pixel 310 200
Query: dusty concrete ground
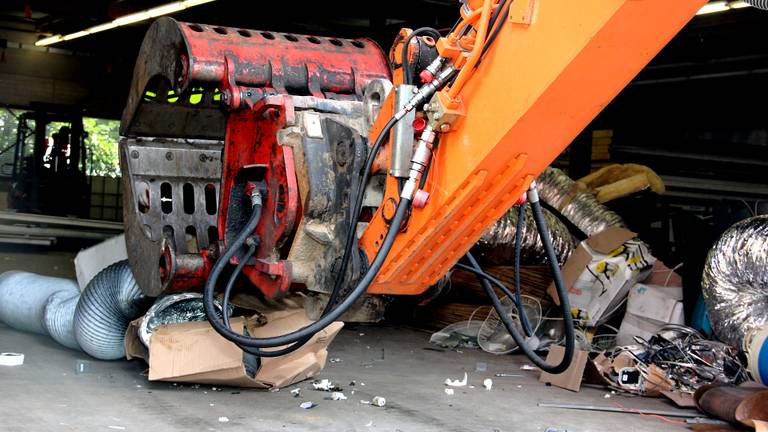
pixel 45 394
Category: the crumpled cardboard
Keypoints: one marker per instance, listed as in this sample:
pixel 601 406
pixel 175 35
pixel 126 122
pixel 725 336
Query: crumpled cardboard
pixel 651 381
pixel 649 308
pixel 599 273
pixel 194 352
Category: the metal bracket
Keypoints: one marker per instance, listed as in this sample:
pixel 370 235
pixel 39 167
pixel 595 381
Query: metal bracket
pixel 522 12
pixel 230 92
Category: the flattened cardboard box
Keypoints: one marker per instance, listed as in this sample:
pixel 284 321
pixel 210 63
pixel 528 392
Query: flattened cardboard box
pixel 193 352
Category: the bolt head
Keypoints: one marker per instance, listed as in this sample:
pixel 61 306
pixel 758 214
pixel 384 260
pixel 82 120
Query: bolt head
pixel 169 156
pixel 135 154
pixel 445 127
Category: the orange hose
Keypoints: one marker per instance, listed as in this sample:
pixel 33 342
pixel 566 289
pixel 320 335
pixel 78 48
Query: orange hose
pixel 466 70
pixel 470 18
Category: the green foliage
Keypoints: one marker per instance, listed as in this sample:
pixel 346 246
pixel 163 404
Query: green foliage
pixel 101 143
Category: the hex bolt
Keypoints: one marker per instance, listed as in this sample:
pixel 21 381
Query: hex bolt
pixel 445 127
pixel 135 154
pixel 169 156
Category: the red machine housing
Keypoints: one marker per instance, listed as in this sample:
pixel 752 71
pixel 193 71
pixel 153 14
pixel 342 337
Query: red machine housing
pixel 247 80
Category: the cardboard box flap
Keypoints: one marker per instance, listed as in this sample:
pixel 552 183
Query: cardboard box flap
pixel 609 239
pixel 195 352
pixel 132 344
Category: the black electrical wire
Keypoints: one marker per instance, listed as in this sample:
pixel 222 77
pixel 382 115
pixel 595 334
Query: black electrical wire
pixel 325 320
pixel 407 77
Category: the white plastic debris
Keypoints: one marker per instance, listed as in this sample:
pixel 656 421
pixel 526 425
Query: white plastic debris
pixel 116 427
pixel 378 401
pixel 365 402
pixel 338 396
pixel 325 385
pixel 335 360
pixel 607 396
pixel 488 383
pixel 457 383
pixel 449 391
pixel 528 367
pixel 307 405
pixel 369 424
pixel 11 359
pixel 223 419
pixel 210 404
pixel 296 392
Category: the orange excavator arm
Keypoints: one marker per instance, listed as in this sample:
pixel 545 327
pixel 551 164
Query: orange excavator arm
pixel 552 67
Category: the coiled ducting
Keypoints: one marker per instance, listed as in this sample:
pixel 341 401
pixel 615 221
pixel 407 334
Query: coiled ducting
pixel 576 204
pixel 108 304
pixel 760 4
pixel 735 280
pixel 24 299
pixel 172 309
pixel 497 245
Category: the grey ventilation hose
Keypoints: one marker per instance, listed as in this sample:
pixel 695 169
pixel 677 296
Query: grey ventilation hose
pixel 24 298
pixel 760 4
pixel 735 280
pixel 59 317
pixel 109 303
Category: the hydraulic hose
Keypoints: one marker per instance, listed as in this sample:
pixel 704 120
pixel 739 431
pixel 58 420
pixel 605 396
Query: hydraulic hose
pixel 325 320
pixel 562 294
pixel 354 214
pixel 518 249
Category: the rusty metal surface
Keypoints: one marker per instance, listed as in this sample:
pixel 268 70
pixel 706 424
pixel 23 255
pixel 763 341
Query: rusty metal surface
pixel 731 403
pixel 178 60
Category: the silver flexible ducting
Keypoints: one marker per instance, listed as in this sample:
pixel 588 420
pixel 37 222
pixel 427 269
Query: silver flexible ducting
pixel 760 4
pixel 108 304
pixel 24 299
pixel 577 205
pixel 173 309
pixel 497 246
pixel 735 280
pixel 59 317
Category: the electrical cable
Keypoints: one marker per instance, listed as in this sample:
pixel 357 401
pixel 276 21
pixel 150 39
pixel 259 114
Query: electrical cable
pixel 407 77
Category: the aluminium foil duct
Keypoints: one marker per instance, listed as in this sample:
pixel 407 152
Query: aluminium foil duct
pixel 497 246
pixel 578 205
pixel 735 280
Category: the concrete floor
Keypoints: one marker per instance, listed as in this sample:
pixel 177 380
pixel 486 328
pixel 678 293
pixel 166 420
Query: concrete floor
pixel 46 394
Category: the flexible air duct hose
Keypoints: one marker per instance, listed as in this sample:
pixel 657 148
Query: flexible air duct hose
pixel 577 205
pixel 59 317
pixel 24 299
pixel 760 4
pixel 735 280
pixel 108 304
pixel 497 245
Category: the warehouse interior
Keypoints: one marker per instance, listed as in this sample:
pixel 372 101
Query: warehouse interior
pixel 559 211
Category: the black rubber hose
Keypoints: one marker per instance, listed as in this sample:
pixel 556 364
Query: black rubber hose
pixel 512 329
pixel 518 249
pixel 225 306
pixel 354 214
pixel 213 277
pixel 407 78
pixel 241 263
pixel 324 321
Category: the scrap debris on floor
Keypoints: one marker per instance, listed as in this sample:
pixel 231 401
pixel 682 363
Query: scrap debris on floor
pixel 630 341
